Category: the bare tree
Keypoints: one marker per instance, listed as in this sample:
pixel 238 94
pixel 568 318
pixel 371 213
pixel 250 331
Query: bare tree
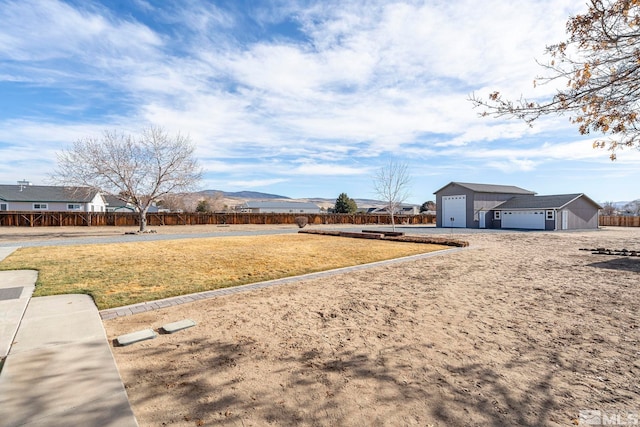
pixel 429 205
pixel 600 66
pixel 176 202
pixel 139 170
pixel 210 204
pixel 391 183
pixel 608 209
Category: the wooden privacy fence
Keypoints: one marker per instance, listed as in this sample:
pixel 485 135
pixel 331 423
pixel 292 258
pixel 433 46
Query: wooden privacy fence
pixel 53 219
pixel 620 221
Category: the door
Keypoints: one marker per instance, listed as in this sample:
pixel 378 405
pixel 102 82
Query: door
pixel 565 220
pixel 481 216
pixel 454 211
pixel 528 220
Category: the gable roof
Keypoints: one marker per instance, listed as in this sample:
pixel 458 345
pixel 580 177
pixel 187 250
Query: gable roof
pixel 556 201
pixel 44 193
pixel 281 205
pixel 489 188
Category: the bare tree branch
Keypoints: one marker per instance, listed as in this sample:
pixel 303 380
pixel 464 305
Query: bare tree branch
pixel 138 170
pixel 600 64
pixel 391 183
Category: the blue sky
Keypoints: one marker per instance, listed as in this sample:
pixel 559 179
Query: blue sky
pixel 299 98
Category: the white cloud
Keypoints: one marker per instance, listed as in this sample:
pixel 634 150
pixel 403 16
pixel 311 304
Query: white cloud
pixel 366 80
pixel 316 169
pixel 48 29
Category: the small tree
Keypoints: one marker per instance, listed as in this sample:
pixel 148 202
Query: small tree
pixel 175 202
pixel 391 183
pixel 608 209
pixel 428 206
pixel 203 206
pixel 345 204
pixel 140 170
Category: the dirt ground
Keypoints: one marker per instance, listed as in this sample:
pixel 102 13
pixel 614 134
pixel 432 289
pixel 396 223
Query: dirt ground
pixel 519 329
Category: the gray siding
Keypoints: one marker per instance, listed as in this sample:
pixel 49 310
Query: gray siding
pixel 454 190
pixel 550 224
pixel 96 205
pixel 476 202
pixel 582 212
pixel 582 215
pixel 485 202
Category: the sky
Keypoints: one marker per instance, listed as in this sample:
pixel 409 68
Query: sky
pixel 300 98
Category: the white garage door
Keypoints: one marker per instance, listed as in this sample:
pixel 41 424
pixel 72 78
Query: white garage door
pixel 531 220
pixel 454 211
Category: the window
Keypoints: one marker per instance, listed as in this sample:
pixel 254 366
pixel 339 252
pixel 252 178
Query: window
pixel 40 206
pixel 73 207
pixel 496 214
pixel 4 207
pixel 550 215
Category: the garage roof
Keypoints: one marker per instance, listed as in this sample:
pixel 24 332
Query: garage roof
pixel 557 201
pixel 489 188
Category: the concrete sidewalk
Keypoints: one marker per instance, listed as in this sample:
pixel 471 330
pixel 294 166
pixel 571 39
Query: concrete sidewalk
pixel 16 288
pixel 59 370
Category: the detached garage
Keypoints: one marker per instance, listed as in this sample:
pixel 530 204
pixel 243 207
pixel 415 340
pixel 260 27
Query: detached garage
pixel 468 205
pixel 557 212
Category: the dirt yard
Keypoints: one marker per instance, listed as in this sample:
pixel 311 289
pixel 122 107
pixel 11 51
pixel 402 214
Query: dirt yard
pixel 520 329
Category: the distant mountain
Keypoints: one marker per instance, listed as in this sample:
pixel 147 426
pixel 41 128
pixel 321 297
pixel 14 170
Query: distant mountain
pixel 244 194
pixel 362 203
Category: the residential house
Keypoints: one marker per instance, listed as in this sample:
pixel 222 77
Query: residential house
pixel 25 197
pixel 116 204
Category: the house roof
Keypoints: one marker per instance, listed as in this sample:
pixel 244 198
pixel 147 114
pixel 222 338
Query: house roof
pixel 112 200
pixel 556 201
pixel 280 205
pixel 44 193
pixel 489 188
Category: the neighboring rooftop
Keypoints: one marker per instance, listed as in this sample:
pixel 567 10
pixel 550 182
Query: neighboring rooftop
pixel 24 192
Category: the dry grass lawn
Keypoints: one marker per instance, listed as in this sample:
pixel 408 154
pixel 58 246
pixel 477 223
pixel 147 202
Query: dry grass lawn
pixel 121 274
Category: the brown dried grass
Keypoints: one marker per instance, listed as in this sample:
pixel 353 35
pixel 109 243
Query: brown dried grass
pixel 127 273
